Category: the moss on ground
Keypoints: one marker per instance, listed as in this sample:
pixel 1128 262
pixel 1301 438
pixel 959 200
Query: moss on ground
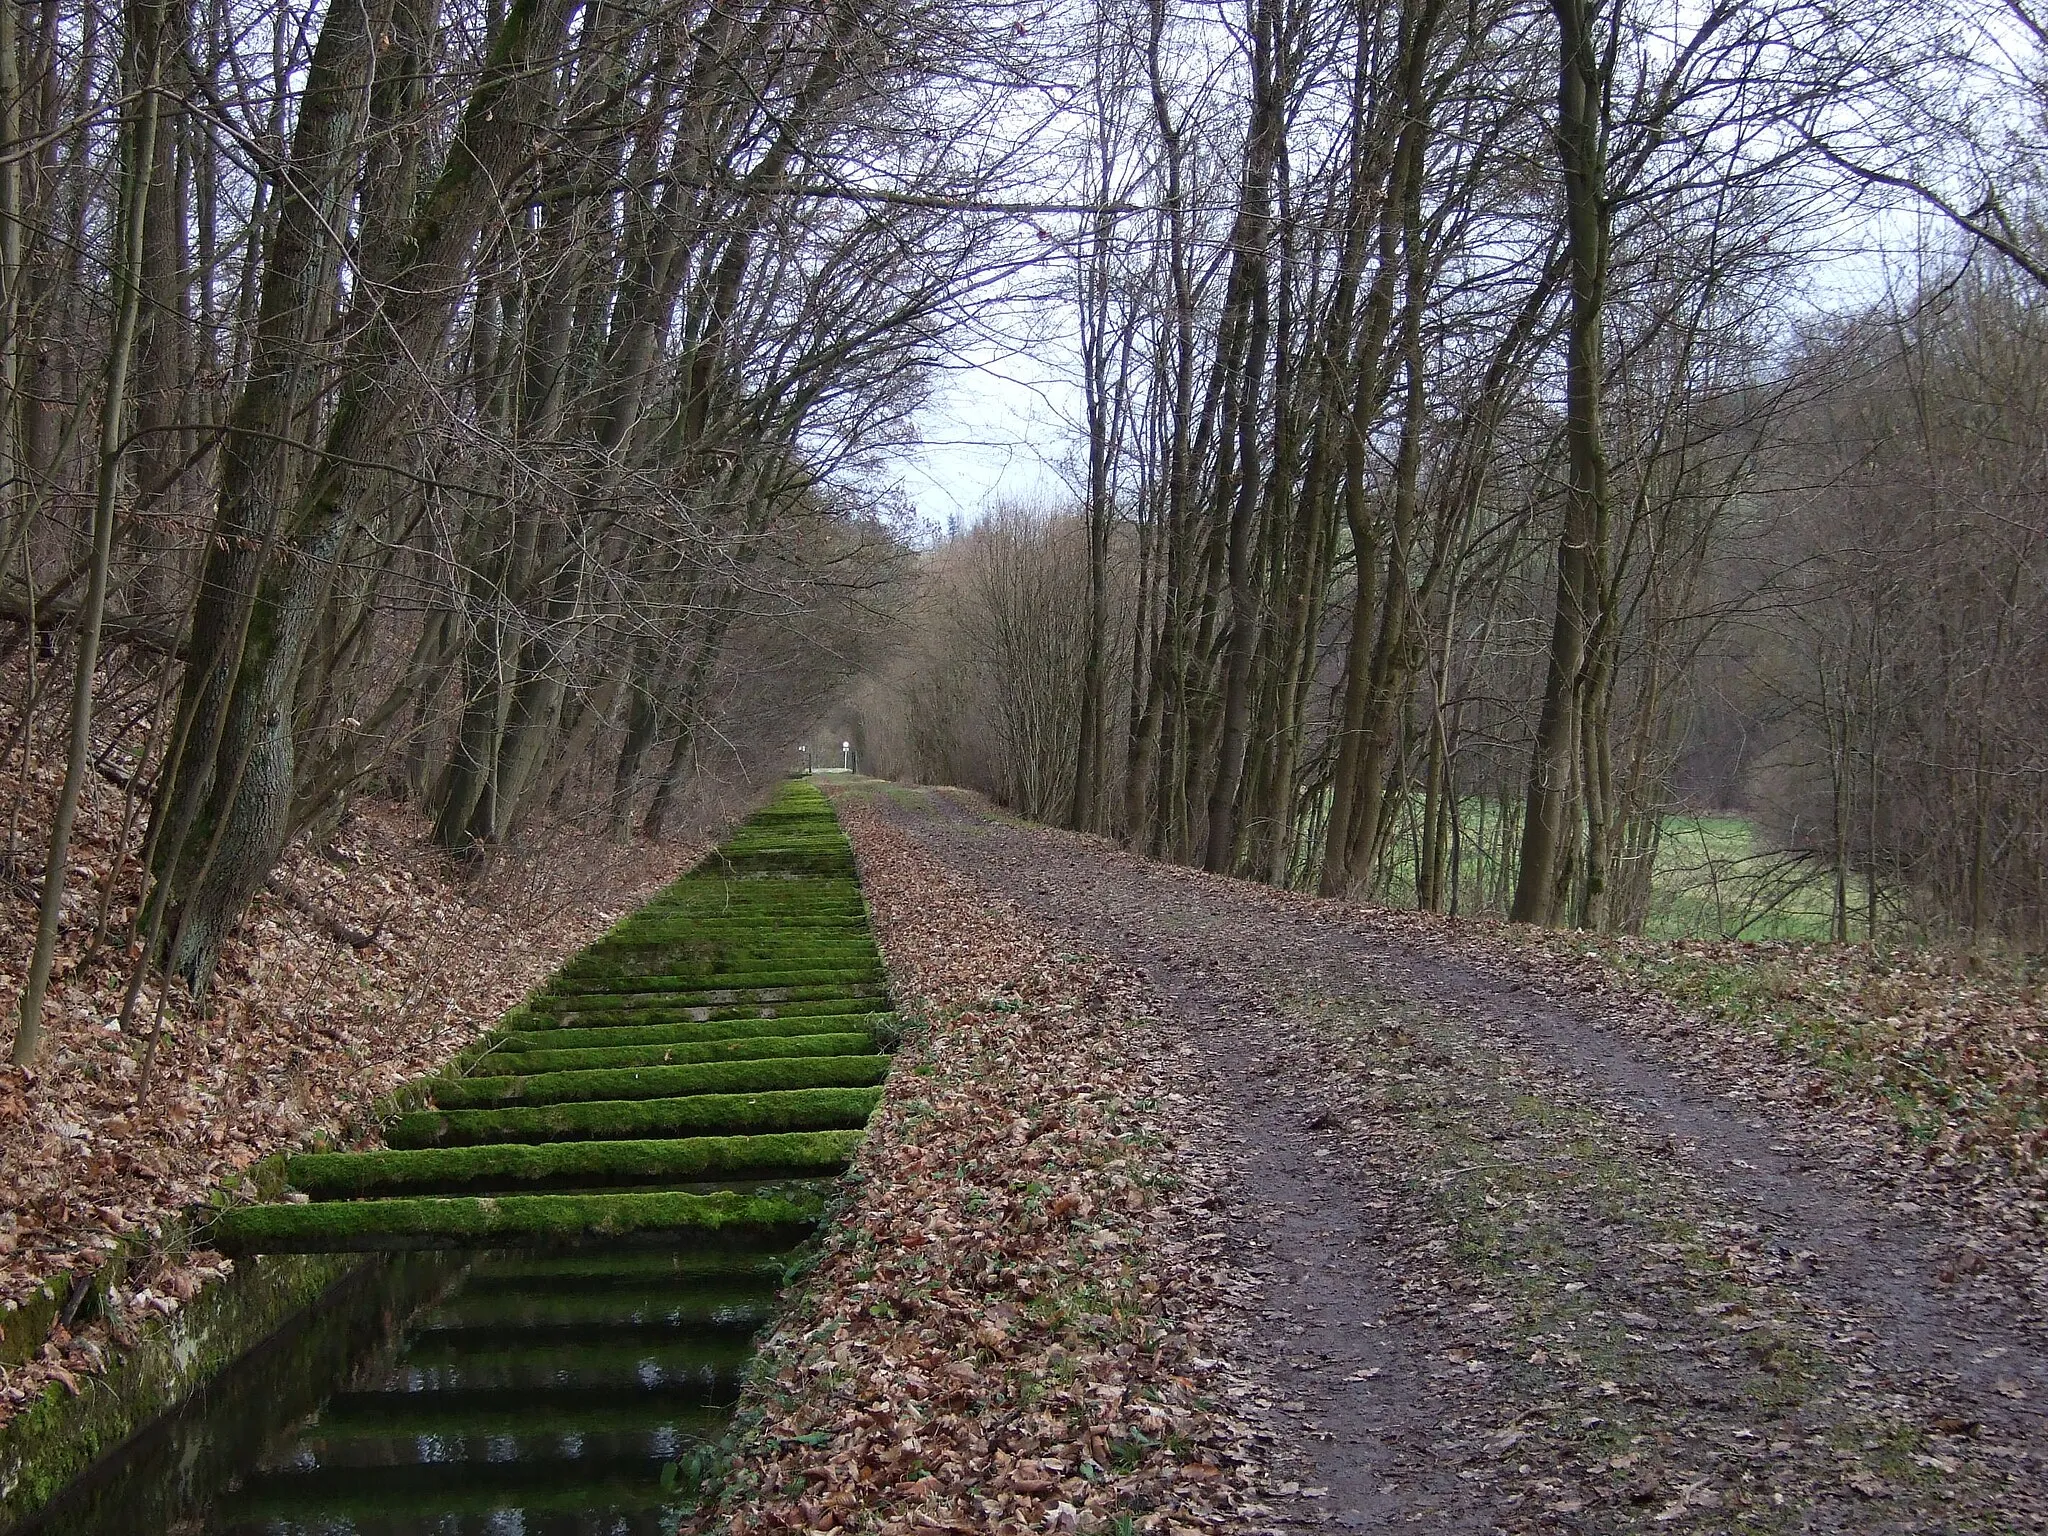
pixel 634 982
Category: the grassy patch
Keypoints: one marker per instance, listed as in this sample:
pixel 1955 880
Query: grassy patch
pixel 1951 1048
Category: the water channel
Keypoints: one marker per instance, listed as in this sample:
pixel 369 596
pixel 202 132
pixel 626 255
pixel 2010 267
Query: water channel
pixel 476 1394
pixel 575 1236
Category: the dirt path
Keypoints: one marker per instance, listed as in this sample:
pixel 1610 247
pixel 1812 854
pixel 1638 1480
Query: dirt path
pixel 1516 1274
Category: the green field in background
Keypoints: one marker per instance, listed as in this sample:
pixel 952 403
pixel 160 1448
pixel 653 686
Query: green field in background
pixel 1714 879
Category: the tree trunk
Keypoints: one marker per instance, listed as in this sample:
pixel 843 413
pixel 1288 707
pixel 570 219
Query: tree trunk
pixel 1581 551
pixel 252 807
pixel 142 63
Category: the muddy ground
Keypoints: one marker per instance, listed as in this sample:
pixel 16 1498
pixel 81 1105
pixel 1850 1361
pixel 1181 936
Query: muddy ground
pixel 1512 1269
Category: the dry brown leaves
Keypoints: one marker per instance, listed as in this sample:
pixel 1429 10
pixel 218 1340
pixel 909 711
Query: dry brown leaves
pixel 371 960
pixel 1951 1046
pixel 1014 1325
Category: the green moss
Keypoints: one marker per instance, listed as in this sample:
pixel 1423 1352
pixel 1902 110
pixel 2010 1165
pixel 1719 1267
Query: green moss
pixel 631 982
pixel 356 1226
pixel 759 1076
pixel 780 942
pixel 675 1054
pixel 588 1004
pixel 743 1016
pixel 730 1114
pixel 662 964
pixel 663 1028
pixel 53 1437
pixel 335 1175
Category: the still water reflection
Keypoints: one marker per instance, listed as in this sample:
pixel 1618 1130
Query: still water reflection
pixel 500 1393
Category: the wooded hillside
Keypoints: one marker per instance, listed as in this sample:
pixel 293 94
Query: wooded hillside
pixel 1505 429
pixel 1496 430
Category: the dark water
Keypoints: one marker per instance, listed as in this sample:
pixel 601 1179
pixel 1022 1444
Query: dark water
pixel 495 1394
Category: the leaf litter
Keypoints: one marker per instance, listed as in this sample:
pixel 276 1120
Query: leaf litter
pixel 1609 1338
pixel 1019 1322
pixel 371 958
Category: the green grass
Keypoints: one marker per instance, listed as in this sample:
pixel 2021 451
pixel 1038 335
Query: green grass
pixel 1713 878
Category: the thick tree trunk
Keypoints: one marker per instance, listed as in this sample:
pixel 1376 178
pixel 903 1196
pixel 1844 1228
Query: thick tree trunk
pixel 1547 829
pixel 248 807
pixel 1252 247
pixel 258 464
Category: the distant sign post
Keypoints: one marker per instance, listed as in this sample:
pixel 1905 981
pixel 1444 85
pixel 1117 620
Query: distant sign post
pixel 846 755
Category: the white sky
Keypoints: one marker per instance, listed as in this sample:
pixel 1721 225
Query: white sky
pixel 1002 420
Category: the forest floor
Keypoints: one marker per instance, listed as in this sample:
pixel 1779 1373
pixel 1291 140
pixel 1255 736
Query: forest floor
pixel 1507 1232
pixel 370 959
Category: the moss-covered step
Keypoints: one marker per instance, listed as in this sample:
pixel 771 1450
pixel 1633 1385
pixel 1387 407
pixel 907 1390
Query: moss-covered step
pixel 664 1011
pixel 716 895
pixel 680 944
pixel 760 1076
pixel 740 902
pixel 459 1170
pixel 369 1226
pixel 704 1114
pixel 766 928
pixel 671 1054
pixel 604 983
pixel 661 1029
pixel 582 1004
pixel 674 959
